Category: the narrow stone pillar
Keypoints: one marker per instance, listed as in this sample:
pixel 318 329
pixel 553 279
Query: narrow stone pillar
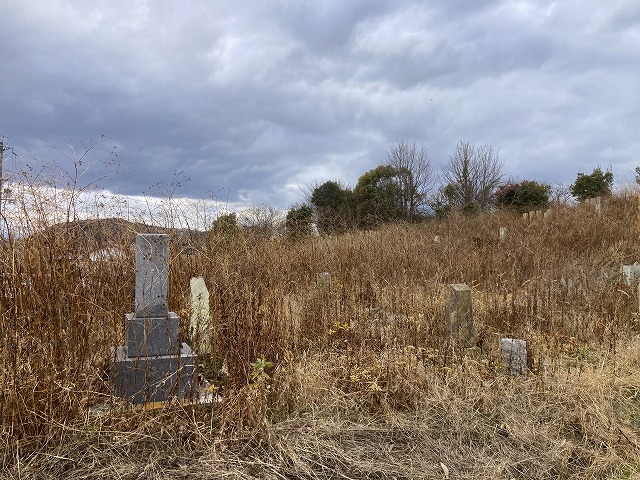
pixel 152 275
pixel 200 318
pixel 514 355
pixel 597 202
pixel 459 316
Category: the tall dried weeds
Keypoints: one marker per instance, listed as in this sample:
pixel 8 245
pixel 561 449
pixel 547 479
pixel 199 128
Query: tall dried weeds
pixel 362 384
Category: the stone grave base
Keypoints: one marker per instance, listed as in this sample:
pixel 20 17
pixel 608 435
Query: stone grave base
pixel 154 379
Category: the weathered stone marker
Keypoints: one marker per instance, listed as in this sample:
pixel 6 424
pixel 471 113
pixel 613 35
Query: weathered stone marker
pixel 153 366
pixel 631 274
pixel 596 202
pixel 514 355
pixel 502 233
pixel 459 316
pixel 200 320
pixel 323 279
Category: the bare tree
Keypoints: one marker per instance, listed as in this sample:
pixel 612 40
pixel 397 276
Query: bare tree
pixel 415 176
pixel 473 173
pixel 561 194
pixel 262 220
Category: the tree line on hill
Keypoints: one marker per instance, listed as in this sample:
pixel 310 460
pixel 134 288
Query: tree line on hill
pixel 405 188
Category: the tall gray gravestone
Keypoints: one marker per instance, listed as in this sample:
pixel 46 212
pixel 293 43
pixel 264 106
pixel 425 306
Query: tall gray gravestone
pixel 153 366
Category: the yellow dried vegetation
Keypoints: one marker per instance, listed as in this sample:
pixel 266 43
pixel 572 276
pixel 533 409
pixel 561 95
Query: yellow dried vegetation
pixel 347 379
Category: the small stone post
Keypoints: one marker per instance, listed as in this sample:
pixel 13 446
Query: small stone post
pixel 597 202
pixel 631 274
pixel 502 233
pixel 514 355
pixel 323 279
pixel 200 319
pixel 459 316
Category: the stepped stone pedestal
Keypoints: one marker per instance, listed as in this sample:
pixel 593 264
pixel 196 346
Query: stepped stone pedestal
pixel 153 366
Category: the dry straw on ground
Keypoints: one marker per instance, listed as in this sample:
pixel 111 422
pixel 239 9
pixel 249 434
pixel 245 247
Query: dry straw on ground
pixel 362 383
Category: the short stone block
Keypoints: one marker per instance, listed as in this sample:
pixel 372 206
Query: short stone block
pixel 151 337
pixel 154 379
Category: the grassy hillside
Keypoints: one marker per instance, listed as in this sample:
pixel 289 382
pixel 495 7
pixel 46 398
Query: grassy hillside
pixel 362 383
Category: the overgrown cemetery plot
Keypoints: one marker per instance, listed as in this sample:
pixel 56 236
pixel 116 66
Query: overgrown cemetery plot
pixel 508 348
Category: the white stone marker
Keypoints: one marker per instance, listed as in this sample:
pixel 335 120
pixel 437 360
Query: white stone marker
pixel 502 233
pixel 631 274
pixel 200 320
pixel 514 355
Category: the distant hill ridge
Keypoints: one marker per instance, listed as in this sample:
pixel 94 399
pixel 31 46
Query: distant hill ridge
pixel 95 234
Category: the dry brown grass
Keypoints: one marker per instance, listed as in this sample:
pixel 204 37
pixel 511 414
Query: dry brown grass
pixel 363 385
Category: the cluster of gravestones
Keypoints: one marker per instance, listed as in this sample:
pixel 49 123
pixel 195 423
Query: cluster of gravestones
pixel 154 366
pixel 460 331
pixel 532 215
pixel 502 235
pixel 596 202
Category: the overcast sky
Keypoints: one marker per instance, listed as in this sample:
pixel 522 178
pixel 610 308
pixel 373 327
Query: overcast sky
pixel 252 100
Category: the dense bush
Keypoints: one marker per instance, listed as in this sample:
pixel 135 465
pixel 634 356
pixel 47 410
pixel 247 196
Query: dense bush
pixel 524 196
pixel 590 186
